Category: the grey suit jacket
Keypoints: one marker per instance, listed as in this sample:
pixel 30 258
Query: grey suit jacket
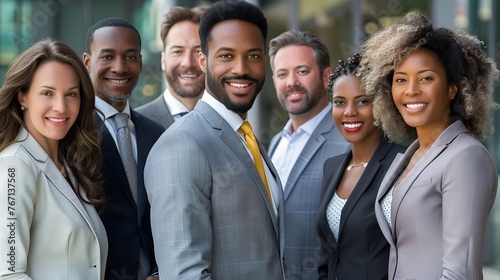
pixel 157 110
pixel 211 217
pixel 302 198
pixel 440 210
pixel 47 232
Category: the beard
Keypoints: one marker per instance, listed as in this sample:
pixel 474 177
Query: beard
pixel 311 98
pixel 193 90
pixel 218 91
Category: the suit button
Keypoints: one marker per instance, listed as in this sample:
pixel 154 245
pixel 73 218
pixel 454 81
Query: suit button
pixel 136 264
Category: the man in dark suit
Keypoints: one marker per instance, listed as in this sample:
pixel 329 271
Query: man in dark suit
pixel 114 62
pixel 179 61
pixel 300 64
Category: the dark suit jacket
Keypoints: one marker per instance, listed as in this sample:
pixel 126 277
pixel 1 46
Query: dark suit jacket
pixel 302 198
pixel 127 225
pixel 158 111
pixel 362 251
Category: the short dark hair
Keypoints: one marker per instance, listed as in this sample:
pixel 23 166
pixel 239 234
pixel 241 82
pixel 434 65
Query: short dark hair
pixel 227 10
pixel 108 22
pixel 178 14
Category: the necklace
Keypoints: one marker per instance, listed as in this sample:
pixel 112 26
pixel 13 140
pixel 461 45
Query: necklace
pixel 364 164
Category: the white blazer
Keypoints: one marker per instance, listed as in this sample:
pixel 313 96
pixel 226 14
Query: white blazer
pixel 46 232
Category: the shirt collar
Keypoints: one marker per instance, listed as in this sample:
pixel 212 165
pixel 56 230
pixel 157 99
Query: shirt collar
pixel 108 110
pixel 174 105
pixel 309 126
pixel 232 118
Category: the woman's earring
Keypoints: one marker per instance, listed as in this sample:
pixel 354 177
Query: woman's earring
pixel 23 108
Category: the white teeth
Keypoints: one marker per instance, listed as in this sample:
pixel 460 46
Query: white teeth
pixel 353 125
pixel 118 81
pixel 415 106
pixel 188 76
pixel 238 85
pixel 56 120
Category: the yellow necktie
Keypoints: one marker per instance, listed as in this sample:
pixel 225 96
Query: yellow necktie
pixel 252 145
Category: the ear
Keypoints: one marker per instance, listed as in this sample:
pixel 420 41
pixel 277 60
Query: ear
pixel 452 91
pixel 20 98
pixel 203 62
pixel 86 61
pixel 326 76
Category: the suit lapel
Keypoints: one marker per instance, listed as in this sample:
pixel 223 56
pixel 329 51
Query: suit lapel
pixel 312 146
pixel 141 135
pixel 329 193
pixel 364 181
pixel 111 158
pixel 228 135
pixel 55 177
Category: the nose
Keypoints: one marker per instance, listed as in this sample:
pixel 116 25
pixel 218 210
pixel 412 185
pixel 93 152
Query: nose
pixel 350 110
pixel 292 81
pixel 412 89
pixel 240 66
pixel 119 65
pixel 59 104
pixel 190 60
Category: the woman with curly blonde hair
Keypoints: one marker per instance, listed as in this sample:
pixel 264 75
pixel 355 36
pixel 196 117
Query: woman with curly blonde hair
pixel 433 86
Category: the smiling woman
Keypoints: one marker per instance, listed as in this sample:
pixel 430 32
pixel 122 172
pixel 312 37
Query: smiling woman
pixel 434 87
pixel 49 168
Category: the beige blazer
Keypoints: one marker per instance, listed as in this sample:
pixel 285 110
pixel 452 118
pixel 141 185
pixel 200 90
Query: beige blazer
pixel 45 232
pixel 440 209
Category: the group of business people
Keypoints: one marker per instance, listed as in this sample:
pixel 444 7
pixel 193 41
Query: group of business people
pixel 92 189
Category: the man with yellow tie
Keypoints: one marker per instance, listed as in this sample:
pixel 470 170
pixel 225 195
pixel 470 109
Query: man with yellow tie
pixel 216 199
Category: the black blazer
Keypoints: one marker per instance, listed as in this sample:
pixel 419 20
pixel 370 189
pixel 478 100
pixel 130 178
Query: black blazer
pixel 127 225
pixel 362 252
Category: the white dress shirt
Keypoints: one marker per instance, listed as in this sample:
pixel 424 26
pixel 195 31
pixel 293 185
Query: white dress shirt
pixel 176 108
pixel 109 112
pixel 291 144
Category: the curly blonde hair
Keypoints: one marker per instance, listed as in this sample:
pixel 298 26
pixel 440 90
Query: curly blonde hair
pixel 461 55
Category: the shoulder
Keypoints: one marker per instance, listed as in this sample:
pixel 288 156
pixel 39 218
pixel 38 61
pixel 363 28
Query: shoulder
pixel 145 123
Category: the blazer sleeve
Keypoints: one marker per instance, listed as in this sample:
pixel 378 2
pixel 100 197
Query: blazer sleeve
pixel 178 183
pixel 468 192
pixel 18 200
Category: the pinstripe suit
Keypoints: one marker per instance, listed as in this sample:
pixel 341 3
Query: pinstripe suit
pixel 210 212
pixel 302 198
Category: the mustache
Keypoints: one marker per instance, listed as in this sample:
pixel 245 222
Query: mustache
pixel 299 89
pixel 240 77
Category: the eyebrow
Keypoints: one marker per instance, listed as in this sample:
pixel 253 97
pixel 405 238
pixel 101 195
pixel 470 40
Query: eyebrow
pixel 231 49
pixel 419 72
pixel 53 88
pixel 113 50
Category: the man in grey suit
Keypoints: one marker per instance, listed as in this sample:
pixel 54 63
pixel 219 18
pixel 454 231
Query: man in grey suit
pixel 300 64
pixel 215 213
pixel 179 61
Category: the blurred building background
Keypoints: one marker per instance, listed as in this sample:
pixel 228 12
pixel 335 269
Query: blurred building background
pixel 343 24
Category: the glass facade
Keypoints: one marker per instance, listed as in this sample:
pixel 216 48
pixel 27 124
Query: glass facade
pixel 343 24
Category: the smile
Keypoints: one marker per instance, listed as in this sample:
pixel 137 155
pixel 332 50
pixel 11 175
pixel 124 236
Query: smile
pixel 415 106
pixel 239 85
pixel 352 125
pixel 57 120
pixel 118 81
pixel 188 77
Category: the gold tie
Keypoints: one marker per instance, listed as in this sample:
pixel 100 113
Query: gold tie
pixel 252 145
